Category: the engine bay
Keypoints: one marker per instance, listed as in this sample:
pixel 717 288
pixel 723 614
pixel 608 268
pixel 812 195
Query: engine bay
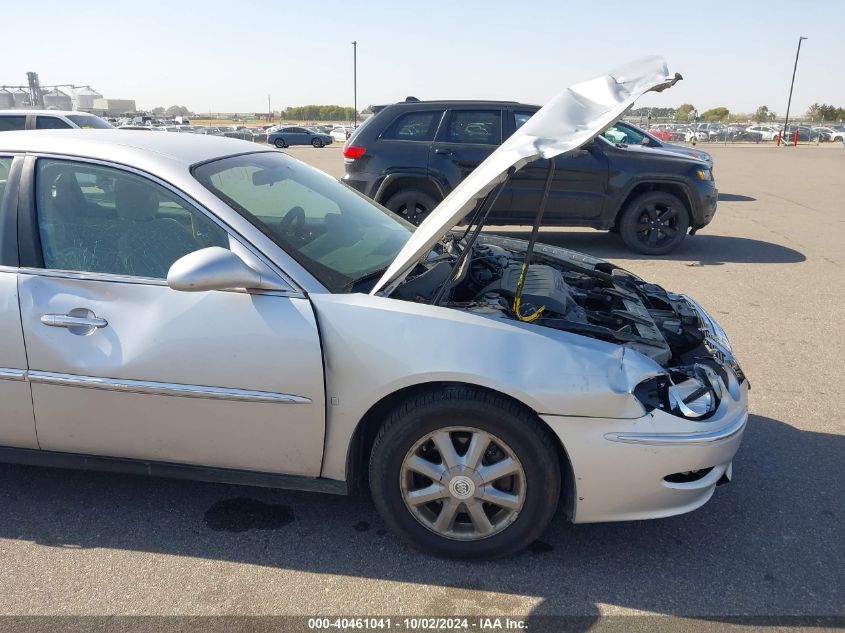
pixel 579 295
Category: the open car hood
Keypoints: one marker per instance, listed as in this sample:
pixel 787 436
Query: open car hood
pixel 573 118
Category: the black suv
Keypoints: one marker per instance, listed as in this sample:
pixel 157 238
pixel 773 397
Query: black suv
pixel 410 155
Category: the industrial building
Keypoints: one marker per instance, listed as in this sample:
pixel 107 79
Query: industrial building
pixel 61 97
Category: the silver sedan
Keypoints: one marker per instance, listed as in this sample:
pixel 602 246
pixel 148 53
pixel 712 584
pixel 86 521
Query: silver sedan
pixel 201 307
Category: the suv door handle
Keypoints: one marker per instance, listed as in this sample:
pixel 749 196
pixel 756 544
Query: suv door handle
pixel 78 321
pixel 443 150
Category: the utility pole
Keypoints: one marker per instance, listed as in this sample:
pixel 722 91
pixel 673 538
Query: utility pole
pixel 355 82
pixel 269 111
pixel 792 85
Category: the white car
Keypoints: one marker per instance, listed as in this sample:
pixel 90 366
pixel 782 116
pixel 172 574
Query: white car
pixel 202 307
pixel 341 133
pixel 830 134
pixel 766 132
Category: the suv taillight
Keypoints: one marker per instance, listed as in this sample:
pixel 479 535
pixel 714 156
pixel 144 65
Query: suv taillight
pixel 354 151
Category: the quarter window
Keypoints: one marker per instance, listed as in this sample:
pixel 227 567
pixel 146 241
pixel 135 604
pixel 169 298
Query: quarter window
pixel 50 123
pixel 9 122
pixel 106 220
pixel 414 126
pixel 474 126
pixel 5 165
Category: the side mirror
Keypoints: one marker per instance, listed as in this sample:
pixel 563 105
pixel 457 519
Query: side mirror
pixel 212 268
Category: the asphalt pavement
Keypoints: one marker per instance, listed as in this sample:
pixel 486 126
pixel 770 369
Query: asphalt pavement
pixel 772 543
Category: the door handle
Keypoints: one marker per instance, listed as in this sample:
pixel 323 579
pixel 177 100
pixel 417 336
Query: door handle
pixel 78 321
pixel 444 151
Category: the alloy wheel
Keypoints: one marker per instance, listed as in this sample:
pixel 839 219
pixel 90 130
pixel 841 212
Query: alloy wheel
pixel 657 224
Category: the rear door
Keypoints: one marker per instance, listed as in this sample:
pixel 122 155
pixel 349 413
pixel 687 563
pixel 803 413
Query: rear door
pixel 12 122
pixel 17 425
pixel 465 139
pixel 43 122
pixel 579 189
pixel 406 141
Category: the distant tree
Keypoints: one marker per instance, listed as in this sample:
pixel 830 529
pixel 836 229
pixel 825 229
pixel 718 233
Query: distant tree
pixel 824 112
pixel 319 113
pixel 716 114
pixel 157 110
pixel 177 110
pixel 656 113
pixel 762 114
pixel 368 109
pixel 683 111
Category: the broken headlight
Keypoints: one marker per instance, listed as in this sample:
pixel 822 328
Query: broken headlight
pixel 693 394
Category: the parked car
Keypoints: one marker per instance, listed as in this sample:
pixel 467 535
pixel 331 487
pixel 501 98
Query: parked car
pixel 829 134
pixel 50 120
pixel 410 155
pixel 289 335
pixel 294 135
pixel 766 132
pixel 632 135
pixel 341 133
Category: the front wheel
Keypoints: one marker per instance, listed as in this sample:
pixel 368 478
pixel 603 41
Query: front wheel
pixel 654 223
pixel 462 473
pixel 280 143
pixel 317 142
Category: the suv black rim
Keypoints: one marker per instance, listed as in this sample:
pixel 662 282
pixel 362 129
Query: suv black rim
pixel 657 224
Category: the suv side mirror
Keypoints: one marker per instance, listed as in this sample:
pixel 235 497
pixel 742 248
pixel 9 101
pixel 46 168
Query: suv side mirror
pixel 212 268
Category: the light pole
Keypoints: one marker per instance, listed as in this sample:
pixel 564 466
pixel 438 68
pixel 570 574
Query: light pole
pixel 355 82
pixel 792 85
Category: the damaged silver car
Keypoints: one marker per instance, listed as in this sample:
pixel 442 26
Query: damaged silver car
pixel 202 308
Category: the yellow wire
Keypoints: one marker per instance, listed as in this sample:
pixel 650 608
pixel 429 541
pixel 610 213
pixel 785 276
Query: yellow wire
pixel 517 301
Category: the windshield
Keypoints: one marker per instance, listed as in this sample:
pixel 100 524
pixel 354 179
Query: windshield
pixel 333 231
pixel 88 121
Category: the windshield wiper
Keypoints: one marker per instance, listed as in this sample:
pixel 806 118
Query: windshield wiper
pixel 372 275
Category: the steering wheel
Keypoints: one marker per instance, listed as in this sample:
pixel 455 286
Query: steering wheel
pixel 293 224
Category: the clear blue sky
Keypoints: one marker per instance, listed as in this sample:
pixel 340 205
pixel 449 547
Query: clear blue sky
pixel 227 56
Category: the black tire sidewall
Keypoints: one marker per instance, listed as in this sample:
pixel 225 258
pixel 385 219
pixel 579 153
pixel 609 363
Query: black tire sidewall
pixel 280 143
pixel 631 214
pixel 404 196
pixel 538 459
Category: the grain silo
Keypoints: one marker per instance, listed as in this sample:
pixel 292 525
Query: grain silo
pixel 21 98
pixel 7 100
pixel 55 99
pixel 83 98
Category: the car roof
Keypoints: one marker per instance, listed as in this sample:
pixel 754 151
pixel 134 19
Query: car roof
pixel 454 102
pixel 53 112
pixel 131 147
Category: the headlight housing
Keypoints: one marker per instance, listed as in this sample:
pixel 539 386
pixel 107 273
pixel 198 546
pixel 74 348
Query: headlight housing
pixel 692 393
pixel 704 174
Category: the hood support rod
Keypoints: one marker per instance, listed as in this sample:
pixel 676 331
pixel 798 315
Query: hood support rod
pixel 517 300
pixel 480 218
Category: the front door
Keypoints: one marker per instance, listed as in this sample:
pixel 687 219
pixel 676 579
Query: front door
pixel 17 426
pixel 122 365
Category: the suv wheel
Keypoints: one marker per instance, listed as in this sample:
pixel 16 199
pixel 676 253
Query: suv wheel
pixel 654 223
pixel 412 204
pixel 463 473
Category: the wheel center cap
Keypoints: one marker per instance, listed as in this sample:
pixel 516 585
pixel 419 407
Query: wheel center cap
pixel 462 487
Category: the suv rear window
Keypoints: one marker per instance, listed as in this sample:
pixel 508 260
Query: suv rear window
pixel 10 122
pixel 414 126
pixel 474 126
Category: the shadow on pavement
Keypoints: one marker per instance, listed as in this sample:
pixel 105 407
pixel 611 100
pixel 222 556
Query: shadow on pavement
pixel 734 197
pixel 699 249
pixel 770 543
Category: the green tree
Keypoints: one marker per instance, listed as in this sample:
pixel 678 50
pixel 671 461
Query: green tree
pixel 824 112
pixel 762 114
pixel 716 114
pixel 683 111
pixel 157 110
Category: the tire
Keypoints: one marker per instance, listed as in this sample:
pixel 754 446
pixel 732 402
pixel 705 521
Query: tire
pixel 513 433
pixel 280 143
pixel 412 204
pixel 645 227
pixel 317 142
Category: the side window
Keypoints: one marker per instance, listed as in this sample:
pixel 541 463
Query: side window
pixel 414 126
pixel 474 126
pixel 5 165
pixel 9 122
pixel 50 123
pixel 106 220
pixel 519 119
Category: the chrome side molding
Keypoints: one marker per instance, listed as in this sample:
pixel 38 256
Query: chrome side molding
pixel 151 387
pixel 680 439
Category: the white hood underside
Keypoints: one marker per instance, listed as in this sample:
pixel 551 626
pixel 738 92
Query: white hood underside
pixel 574 117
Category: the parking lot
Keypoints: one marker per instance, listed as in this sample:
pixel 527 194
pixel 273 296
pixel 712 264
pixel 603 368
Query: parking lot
pixel 770 267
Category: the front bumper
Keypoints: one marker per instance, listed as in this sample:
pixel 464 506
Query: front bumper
pixel 621 467
pixel 658 465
